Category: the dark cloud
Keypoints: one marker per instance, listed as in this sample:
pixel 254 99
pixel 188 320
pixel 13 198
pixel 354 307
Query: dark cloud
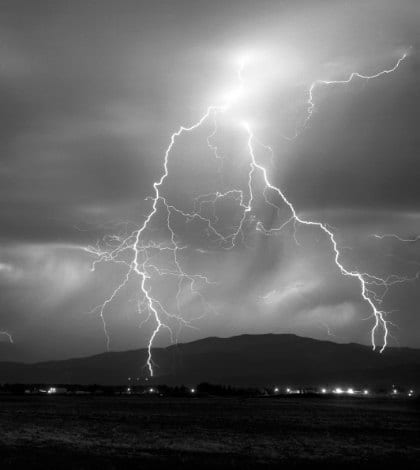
pixel 91 92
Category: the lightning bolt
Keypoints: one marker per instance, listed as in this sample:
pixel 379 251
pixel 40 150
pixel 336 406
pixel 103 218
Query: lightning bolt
pixel 397 237
pixel 135 253
pixel 346 81
pixel 363 279
pixel 140 265
pixel 8 335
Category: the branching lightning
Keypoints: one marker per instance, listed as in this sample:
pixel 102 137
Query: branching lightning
pixel 365 280
pixel 317 83
pixel 135 253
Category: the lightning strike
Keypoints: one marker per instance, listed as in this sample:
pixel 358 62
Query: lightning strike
pixel 346 81
pixel 8 336
pixel 397 237
pixel 135 254
pixel 379 315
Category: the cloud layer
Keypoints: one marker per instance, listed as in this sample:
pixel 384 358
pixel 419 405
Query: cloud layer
pixel 91 92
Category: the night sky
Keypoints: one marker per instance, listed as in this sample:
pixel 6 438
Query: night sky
pixel 90 94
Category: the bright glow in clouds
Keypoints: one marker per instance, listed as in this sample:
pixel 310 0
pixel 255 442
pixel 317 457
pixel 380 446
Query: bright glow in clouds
pixel 138 252
pixel 245 58
pixel 258 72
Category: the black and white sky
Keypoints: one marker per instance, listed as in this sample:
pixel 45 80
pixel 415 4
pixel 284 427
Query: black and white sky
pixel 90 94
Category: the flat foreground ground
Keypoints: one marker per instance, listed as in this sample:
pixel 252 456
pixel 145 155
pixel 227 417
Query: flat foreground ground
pixel 97 432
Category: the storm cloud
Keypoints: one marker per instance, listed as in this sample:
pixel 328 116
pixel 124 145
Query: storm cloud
pixel 91 93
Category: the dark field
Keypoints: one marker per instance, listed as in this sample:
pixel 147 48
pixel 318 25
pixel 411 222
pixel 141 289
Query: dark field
pixel 125 432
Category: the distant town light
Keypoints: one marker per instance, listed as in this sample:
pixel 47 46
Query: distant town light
pixel 365 392
pixel 323 390
pixel 276 390
pixel 192 390
pixel 128 389
pixel 151 390
pixel 52 390
pixel 288 390
pixel 395 391
pixel 338 390
pixel 350 391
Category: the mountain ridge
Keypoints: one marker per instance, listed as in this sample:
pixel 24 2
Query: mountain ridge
pixel 243 360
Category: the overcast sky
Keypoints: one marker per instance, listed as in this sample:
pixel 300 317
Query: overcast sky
pixel 90 94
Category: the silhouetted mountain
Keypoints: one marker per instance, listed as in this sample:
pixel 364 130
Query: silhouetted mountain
pixel 253 360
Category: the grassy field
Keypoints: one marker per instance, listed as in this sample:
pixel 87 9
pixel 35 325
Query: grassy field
pixel 93 432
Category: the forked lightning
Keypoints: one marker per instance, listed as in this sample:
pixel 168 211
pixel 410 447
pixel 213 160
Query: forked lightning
pixel 135 252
